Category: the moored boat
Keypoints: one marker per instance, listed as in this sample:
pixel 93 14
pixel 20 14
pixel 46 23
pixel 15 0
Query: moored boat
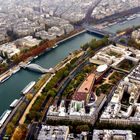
pixel 4 78
pixel 4 116
pixel 14 103
pixel 28 87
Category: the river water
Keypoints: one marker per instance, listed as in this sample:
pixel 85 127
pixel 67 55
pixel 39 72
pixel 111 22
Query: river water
pixel 127 24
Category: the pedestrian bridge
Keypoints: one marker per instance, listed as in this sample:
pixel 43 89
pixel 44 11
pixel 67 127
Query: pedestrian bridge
pixel 37 68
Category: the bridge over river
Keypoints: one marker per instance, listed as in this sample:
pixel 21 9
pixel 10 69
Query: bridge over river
pixel 38 68
pixel 96 31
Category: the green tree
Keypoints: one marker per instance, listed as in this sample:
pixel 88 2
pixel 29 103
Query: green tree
pixel 82 128
pixel 52 93
pixel 10 128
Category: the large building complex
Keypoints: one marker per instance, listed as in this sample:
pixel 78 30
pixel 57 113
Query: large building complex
pixel 27 42
pixel 78 107
pixel 112 135
pixel 9 50
pixel 84 105
pixel 53 133
pixel 111 55
pixel 124 105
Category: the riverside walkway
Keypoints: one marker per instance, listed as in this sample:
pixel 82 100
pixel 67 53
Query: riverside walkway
pixel 33 100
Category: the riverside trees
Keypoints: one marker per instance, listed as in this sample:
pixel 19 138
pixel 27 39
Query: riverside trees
pixel 94 44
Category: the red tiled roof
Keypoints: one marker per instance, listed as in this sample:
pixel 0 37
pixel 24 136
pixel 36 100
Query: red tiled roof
pixel 80 96
pixel 87 84
pixel 85 88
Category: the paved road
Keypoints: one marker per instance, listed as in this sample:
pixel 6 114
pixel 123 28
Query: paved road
pixel 33 131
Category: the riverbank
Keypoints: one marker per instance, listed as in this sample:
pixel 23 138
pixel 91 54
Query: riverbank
pixel 119 16
pixel 22 120
pixel 6 75
pixel 122 23
pixel 62 41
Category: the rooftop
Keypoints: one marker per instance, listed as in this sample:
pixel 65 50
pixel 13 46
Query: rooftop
pixel 53 132
pixel 112 135
pixel 87 84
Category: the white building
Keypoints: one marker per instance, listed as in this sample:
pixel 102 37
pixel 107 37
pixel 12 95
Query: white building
pixel 134 76
pixel 111 55
pixel 27 41
pixel 45 35
pixel 136 35
pixel 55 30
pixel 9 50
pixel 120 108
pixel 67 28
pixel 53 133
pixel 112 135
